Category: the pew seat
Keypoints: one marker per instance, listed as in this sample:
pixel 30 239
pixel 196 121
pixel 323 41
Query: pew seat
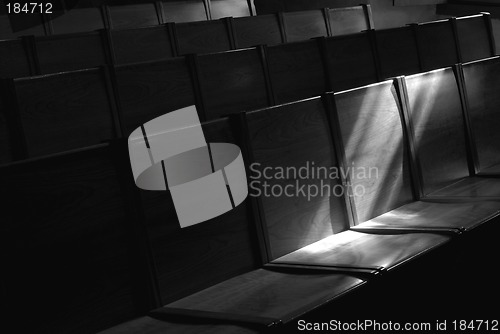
pixel 358 250
pixel 490 171
pixel 477 188
pixel 423 216
pixel 266 296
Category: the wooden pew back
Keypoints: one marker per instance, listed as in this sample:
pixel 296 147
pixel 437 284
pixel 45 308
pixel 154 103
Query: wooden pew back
pixel 475 37
pixel 203 36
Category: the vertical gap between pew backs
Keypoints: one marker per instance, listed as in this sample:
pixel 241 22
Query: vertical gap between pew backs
pixel 418 44
pixel 271 94
pixel 251 8
pixel 491 36
pixel 194 71
pixel 19 147
pixel 408 133
pixel 326 16
pixel 376 59
pixel 160 12
pixel 112 91
pixel 147 291
pixel 367 9
pixel 228 21
pixel 472 155
pixel 340 155
pixel 30 52
pixel 453 22
pixel 256 207
pixel 208 9
pixel 281 21
pixel 323 49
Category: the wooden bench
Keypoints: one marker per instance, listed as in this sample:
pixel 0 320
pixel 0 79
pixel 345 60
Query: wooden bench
pixel 184 11
pixel 230 82
pixel 440 139
pixel 64 111
pixel 142 44
pixel 148 90
pixel 204 36
pixel 475 37
pixel 257 30
pixel 349 20
pixel 76 20
pixel 229 8
pixel 72 243
pixel 134 15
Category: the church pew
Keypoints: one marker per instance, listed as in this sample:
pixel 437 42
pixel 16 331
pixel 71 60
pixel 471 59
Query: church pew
pixel 147 90
pixel 184 11
pixel 440 139
pixel 475 37
pixel 217 249
pixel 349 20
pixel 397 51
pixel 71 246
pixel 71 52
pixel 480 85
pixel 17 58
pixel 62 111
pixel 311 228
pixel 303 25
pixel 204 36
pixel 378 165
pixel 229 8
pixel 142 44
pixel 76 20
pixel 297 70
pixel 437 44
pixel 133 15
pixel 257 30
pixel 232 82
pixel 350 61
pixel 149 325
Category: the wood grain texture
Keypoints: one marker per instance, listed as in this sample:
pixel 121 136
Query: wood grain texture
pixel 216 250
pixel 438 128
pixel 363 250
pixel 303 25
pixel 377 160
pixel 265 293
pixel 437 45
pixel 480 188
pixel 351 61
pixel 149 90
pixel 71 52
pixel 148 325
pixel 15 59
pixel 227 8
pixel 481 82
pixel 348 20
pixel 397 52
pixel 184 11
pixel 232 82
pixel 274 6
pixel 296 70
pixel 133 16
pixel 295 136
pixel 141 44
pixel 64 111
pixel 426 215
pixel 257 30
pixel 68 245
pixel 77 20
pixel 203 37
pixel 474 38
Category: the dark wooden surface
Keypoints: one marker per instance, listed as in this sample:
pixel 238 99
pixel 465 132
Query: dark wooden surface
pixel 292 136
pixel 71 52
pixel 266 293
pixel 474 38
pixel 15 59
pixel 348 20
pixel 372 134
pixel 274 6
pixel 77 20
pixel 184 11
pixel 149 90
pixel 351 61
pixel 69 244
pixel 438 128
pixel 479 188
pixel 64 111
pixel 257 30
pixel 437 45
pixel 232 82
pixel 397 52
pixel 296 71
pixel 428 215
pixel 481 82
pixel 226 8
pixel 363 250
pixel 303 25
pixel 203 37
pixel 216 250
pixel 133 16
pixel 148 325
pixel 141 44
